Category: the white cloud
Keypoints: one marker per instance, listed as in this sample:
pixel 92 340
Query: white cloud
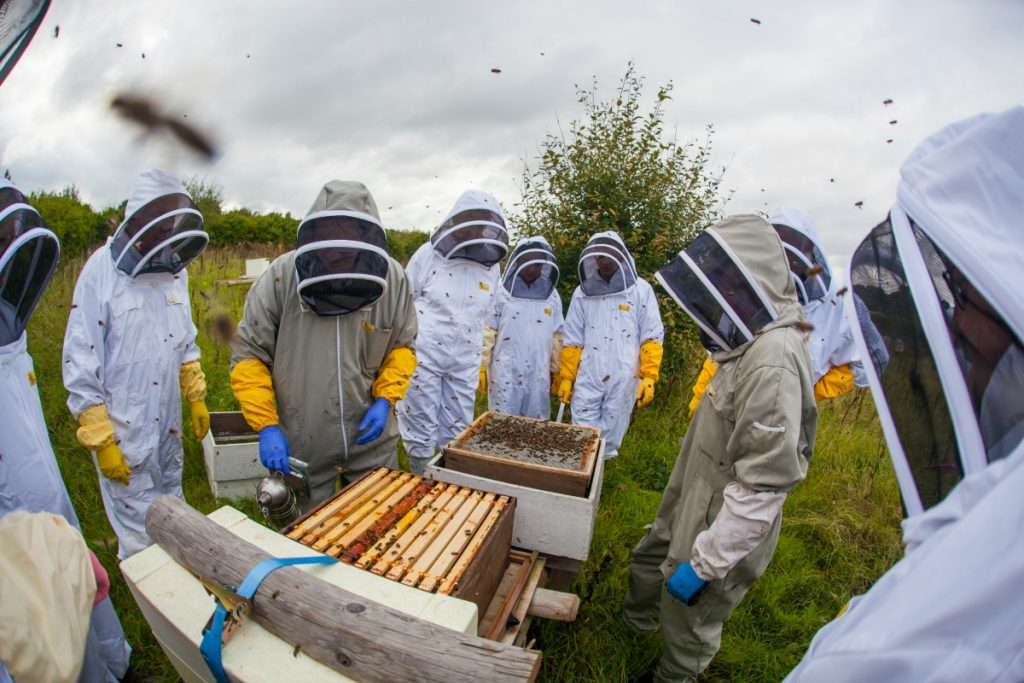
pixel 400 94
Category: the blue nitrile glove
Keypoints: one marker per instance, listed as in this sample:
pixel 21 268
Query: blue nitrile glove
pixel 374 421
pixel 684 584
pixel 274 449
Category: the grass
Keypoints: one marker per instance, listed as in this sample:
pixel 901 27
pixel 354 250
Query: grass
pixel 840 529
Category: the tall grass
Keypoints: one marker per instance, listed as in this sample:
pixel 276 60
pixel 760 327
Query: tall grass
pixel 840 529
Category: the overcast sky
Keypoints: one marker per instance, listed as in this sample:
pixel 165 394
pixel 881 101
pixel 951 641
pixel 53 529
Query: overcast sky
pixel 400 95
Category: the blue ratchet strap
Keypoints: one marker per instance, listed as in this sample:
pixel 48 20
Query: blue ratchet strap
pixel 213 638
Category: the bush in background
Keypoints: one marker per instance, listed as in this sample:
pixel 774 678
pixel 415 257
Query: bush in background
pixel 618 170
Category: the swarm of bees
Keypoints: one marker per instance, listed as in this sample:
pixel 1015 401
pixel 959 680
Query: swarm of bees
pixel 144 112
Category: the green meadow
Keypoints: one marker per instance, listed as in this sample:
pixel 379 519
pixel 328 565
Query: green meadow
pixel 840 527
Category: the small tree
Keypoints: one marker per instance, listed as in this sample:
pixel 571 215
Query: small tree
pixel 208 195
pixel 617 170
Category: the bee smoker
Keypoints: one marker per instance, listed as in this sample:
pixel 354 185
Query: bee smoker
pixel 280 497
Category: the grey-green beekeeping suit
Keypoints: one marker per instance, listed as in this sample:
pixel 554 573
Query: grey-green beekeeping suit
pixel 748 444
pixel 334 338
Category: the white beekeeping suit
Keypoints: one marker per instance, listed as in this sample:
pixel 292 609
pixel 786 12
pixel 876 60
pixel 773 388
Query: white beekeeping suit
pixel 454 278
pixel 130 354
pixel 612 341
pixel 528 322
pixel 939 280
pixel 29 477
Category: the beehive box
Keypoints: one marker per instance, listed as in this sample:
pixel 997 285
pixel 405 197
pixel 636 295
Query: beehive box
pixel 231 453
pixel 559 526
pixel 538 454
pixel 432 535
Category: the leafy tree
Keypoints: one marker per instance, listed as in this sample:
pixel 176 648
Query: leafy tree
pixel 208 195
pixel 618 170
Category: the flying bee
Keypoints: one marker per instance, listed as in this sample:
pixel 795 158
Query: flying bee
pixel 145 113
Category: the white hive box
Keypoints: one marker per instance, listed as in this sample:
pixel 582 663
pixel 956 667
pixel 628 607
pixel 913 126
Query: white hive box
pixel 231 453
pixel 177 607
pixel 554 524
pixel 254 267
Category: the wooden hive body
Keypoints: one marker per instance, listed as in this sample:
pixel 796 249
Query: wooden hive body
pixel 462 455
pixel 432 535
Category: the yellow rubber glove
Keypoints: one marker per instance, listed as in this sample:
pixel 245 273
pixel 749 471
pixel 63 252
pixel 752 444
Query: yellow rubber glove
pixel 192 381
pixel 834 383
pixel 112 464
pixel 481 388
pixel 96 430
pixel 644 392
pixel 200 419
pixel 564 390
pixel 254 388
pixel 569 366
pixel 394 374
pixel 701 385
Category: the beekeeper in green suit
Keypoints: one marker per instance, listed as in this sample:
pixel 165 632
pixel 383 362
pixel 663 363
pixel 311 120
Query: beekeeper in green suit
pixel 326 345
pixel 747 446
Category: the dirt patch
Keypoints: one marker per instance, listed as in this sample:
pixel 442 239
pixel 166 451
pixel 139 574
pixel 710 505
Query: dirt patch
pixel 539 443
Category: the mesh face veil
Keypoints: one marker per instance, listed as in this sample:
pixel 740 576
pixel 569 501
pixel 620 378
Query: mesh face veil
pixel 807 263
pixel 163 235
pixel 947 369
pixel 28 258
pixel 474 234
pixel 715 289
pixel 341 261
pixel 532 271
pixel 605 267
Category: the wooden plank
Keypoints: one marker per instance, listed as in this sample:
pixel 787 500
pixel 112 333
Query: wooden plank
pixel 354 636
pixel 348 519
pixel 458 545
pixel 501 593
pixel 499 625
pixel 524 602
pixel 305 524
pixel 394 555
pixel 440 539
pixel 426 535
pixel 381 507
pixel 377 551
pixel 554 605
pixel 455 573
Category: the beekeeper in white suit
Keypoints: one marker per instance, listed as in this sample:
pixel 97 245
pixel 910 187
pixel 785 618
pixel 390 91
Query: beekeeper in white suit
pixel 527 324
pixel 130 354
pixel 835 364
pixel 29 477
pixel 611 358
pixel 940 280
pixel 454 278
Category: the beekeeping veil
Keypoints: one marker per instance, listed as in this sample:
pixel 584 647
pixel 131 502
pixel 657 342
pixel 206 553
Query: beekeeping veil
pixel 733 280
pixel 341 257
pixel 162 231
pixel 940 284
pixel 28 257
pixel 532 271
pixel 811 272
pixel 474 230
pixel 606 266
